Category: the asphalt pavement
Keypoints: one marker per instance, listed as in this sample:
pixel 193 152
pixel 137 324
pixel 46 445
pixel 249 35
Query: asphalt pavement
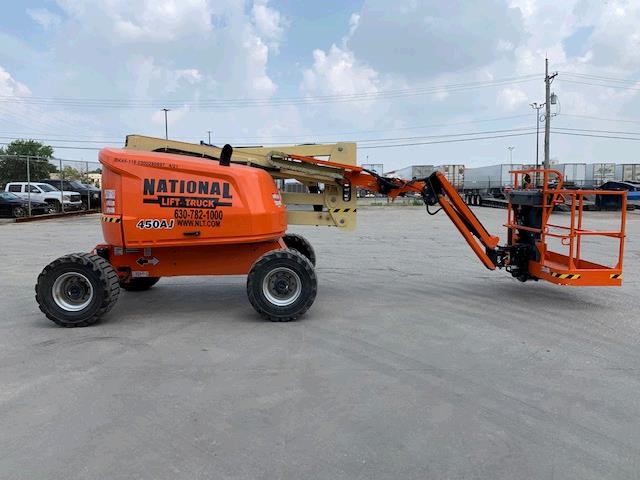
pixel 414 362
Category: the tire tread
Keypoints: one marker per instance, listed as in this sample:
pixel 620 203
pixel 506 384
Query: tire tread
pixel 106 274
pixel 293 241
pixel 290 254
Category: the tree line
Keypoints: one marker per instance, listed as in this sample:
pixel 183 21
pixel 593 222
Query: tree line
pixel 13 166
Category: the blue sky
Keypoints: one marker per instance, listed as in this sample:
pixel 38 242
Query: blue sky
pixel 426 73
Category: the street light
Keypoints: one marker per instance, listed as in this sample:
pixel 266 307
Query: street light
pixel 166 128
pixel 511 156
pixel 537 108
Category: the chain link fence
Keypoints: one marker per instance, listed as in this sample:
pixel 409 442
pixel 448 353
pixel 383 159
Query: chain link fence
pixel 31 185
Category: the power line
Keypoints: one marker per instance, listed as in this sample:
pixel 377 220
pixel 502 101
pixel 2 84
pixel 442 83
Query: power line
pixel 309 135
pixel 359 141
pixel 616 120
pixel 600 77
pixel 432 142
pixel 364 147
pixel 258 102
pixel 397 139
pixel 446 141
pixel 66 147
pixel 596 136
pixel 596 131
pixel 622 87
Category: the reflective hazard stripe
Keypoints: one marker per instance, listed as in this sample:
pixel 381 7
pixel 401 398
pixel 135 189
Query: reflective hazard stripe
pixel 343 210
pixel 565 276
pixel 106 218
pixel 615 276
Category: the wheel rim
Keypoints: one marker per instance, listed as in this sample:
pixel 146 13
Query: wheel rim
pixel 282 287
pixel 72 291
pixel 19 212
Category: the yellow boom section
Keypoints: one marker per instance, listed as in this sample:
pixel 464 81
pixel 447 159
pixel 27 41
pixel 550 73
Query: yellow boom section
pixel 325 203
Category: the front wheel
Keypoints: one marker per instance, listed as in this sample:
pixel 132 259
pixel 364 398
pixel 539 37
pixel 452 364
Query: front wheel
pixel 77 289
pixel 55 206
pixel 282 285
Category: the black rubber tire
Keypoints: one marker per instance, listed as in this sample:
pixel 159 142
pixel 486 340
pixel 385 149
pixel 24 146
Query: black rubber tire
pixel 139 284
pixel 294 261
pixel 19 212
pixel 56 206
pixel 300 244
pixel 97 270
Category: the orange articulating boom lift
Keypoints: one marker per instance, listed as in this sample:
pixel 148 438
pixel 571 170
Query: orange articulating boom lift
pixel 171 215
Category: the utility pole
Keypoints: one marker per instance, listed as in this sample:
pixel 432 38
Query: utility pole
pixel 166 127
pixel 547 116
pixel 511 155
pixel 209 132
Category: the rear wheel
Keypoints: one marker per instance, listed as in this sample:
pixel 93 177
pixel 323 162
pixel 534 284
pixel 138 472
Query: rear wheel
pixel 301 245
pixel 139 284
pixel 77 289
pixel 282 285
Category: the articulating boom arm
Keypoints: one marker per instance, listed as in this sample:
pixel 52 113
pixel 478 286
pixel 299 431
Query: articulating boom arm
pixel 437 189
pixel 434 189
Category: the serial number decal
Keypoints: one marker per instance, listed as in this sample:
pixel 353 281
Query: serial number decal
pixel 198 218
pixel 156 223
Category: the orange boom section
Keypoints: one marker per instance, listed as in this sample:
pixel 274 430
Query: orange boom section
pixel 166 200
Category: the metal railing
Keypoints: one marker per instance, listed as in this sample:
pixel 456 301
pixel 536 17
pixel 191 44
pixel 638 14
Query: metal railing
pixel 552 195
pixel 33 169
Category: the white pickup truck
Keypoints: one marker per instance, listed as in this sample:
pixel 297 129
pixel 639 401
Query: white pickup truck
pixel 42 192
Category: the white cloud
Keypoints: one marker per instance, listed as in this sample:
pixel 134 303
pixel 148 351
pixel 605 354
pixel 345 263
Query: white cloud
pixel 354 20
pixel 615 41
pixel 422 39
pixel 256 57
pixel 269 23
pixel 338 72
pixel 511 98
pixel 9 87
pixel 146 20
pixel 190 75
pixel 44 17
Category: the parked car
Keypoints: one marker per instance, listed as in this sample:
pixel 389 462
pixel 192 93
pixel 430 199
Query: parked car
pixel 609 202
pixel 632 188
pixel 12 205
pixel 89 194
pixel 43 192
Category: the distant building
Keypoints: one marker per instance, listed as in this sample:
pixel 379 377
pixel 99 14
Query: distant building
pixel 95 178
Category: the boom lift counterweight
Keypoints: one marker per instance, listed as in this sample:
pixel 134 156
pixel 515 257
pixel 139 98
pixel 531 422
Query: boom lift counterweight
pixel 166 214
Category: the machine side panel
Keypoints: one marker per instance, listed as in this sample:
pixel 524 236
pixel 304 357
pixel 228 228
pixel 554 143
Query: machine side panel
pixel 169 200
